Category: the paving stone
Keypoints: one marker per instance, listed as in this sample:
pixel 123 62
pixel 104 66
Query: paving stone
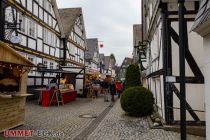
pixel 117 126
pixel 111 122
pixel 64 118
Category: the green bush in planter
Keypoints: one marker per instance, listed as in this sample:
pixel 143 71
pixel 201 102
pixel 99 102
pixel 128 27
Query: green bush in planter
pixel 137 101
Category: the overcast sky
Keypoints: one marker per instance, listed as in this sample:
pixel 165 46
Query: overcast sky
pixel 111 21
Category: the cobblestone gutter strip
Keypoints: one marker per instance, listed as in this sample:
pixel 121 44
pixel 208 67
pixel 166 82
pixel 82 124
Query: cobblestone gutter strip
pixel 85 133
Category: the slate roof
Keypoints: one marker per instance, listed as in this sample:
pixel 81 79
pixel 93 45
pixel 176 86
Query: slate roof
pixel 203 14
pixel 68 17
pixel 55 7
pixel 92 47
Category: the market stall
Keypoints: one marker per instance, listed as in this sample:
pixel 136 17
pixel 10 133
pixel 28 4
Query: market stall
pixel 92 74
pixel 67 96
pixel 14 70
pixel 61 90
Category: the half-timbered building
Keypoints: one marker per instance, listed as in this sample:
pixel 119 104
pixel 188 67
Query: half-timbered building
pixel 161 36
pixel 45 35
pixel 39 36
pixel 125 64
pixel 73 51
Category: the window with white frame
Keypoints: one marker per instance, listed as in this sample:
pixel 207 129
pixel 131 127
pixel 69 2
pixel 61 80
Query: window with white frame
pixel 49 7
pixel 29 5
pixel 53 13
pixel 35 9
pixel 46 49
pixel 32 60
pixel 57 29
pixel 57 52
pixel 45 39
pixel 23 23
pixel 39 31
pixel 23 2
pixel 49 20
pixel 49 41
pixel 52 51
pixel 41 2
pixel 45 17
pixel 45 63
pixel 39 45
pixel 41 13
pixel 32 28
pixel 45 4
pixel 57 42
pixel 51 67
pixel 53 23
pixel 49 38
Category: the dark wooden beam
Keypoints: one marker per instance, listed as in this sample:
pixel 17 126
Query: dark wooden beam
pixel 188 107
pixel 191 80
pixel 177 19
pixel 189 12
pixel 165 33
pixel 156 73
pixel 169 73
pixel 190 59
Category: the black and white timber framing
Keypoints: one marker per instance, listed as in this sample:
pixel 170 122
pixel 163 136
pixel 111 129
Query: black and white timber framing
pixel 160 28
pixel 43 37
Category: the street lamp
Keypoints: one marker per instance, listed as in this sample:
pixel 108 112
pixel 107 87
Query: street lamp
pixel 141 51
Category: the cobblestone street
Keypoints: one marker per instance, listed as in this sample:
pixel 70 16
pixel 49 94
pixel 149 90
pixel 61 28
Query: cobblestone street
pixel 117 126
pixel 64 118
pixel 111 122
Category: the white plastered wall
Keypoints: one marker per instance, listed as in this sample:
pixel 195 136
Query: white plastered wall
pixel 194 92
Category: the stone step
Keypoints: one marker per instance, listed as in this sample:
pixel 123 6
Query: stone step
pixel 193 130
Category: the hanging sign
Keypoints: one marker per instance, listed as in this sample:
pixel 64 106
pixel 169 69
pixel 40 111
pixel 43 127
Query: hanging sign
pixel 12 26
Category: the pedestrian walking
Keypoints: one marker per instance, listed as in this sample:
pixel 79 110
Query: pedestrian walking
pixel 119 86
pixel 105 86
pixel 112 90
pixel 96 87
pixel 89 88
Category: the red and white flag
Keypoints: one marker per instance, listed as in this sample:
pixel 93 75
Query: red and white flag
pixel 101 45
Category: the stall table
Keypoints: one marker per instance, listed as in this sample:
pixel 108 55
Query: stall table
pixel 67 95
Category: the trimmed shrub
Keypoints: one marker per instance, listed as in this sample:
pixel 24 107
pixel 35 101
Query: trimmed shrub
pixel 132 76
pixel 137 101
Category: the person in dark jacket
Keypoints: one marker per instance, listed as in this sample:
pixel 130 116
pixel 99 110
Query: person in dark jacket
pixel 105 85
pixel 113 90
